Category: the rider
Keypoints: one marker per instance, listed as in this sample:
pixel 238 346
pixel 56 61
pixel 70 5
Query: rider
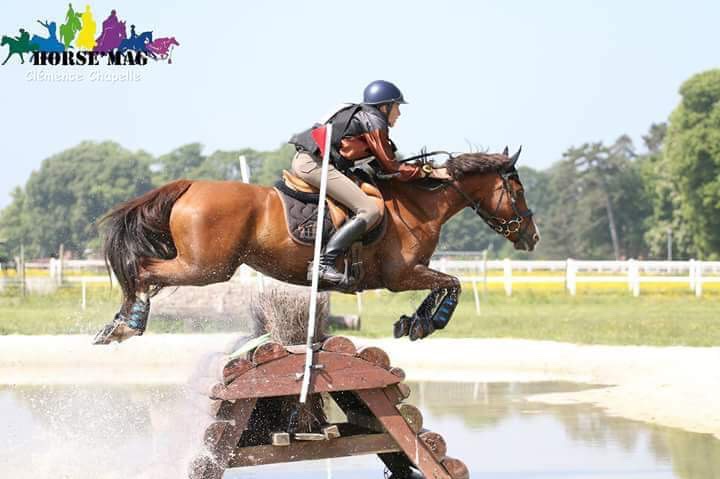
pixel 23 39
pixel 359 131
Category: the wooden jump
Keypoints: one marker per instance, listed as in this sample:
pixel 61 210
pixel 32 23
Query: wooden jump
pixel 362 383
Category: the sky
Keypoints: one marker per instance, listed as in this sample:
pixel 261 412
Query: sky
pixel 477 74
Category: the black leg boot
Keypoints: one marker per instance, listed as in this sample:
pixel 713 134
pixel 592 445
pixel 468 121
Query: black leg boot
pixel 339 243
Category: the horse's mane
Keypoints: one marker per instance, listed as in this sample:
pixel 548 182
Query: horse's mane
pixel 470 163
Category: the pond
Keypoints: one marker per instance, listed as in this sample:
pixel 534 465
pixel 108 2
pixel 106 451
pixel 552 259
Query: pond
pixel 152 432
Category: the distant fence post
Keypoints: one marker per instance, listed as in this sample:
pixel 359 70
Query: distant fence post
pixel 61 266
pixel 633 277
pixel 358 295
pixel 485 273
pixel 691 274
pixel 477 297
pixel 570 273
pixel 507 275
pixel 83 304
pixel 22 270
pixel 698 279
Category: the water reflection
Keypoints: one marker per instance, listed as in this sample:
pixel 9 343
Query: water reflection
pixel 492 406
pixel 152 432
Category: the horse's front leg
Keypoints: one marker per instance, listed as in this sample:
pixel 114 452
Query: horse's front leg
pixel 436 309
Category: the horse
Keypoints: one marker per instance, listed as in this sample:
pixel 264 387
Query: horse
pixel 69 29
pixel 161 48
pixel 138 44
pixel 16 47
pixel 194 233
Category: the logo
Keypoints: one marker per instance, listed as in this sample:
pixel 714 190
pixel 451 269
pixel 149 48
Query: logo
pixel 78 45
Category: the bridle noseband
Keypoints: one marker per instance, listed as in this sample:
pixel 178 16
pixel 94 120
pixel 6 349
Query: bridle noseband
pixel 501 225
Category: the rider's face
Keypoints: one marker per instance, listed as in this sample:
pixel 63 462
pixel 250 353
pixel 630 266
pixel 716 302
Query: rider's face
pixel 394 114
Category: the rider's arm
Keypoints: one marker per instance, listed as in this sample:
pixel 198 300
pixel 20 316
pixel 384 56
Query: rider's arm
pixel 381 147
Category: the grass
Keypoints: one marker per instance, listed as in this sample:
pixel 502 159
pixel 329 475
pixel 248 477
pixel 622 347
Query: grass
pixel 594 316
pixel 599 314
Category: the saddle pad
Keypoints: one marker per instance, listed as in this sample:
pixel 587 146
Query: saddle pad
pixel 301 217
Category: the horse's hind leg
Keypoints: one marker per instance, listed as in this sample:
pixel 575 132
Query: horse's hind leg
pixel 132 318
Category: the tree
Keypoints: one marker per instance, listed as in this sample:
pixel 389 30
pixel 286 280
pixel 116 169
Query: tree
pixel 692 160
pixel 63 200
pixel 189 162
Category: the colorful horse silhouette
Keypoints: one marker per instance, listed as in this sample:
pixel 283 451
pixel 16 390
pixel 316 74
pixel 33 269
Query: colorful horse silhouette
pixel 161 48
pixel 19 46
pixel 138 43
pixel 51 43
pixel 113 33
pixel 86 37
pixel 71 27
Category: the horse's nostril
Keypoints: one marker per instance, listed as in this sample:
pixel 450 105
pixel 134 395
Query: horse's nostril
pixel 535 237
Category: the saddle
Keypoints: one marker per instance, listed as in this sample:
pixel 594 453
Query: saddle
pixel 300 201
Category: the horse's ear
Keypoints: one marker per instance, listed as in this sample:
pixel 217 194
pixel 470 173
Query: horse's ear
pixel 505 151
pixel 514 158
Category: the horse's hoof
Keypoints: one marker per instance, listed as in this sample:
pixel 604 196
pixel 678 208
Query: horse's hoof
pixel 118 331
pixel 402 326
pixel 421 327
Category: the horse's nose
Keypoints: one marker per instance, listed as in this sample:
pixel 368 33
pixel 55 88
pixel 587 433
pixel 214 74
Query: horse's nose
pixel 536 237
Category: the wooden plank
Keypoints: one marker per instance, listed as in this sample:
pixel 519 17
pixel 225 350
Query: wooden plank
pixel 236 368
pixel 435 443
pixel 309 436
pixel 339 344
pixel 397 393
pixel 268 352
pixel 399 372
pixel 412 415
pixel 375 356
pixel 337 372
pixel 415 450
pixel 303 451
pixel 331 432
pixel 281 439
pixel 226 438
pixel 456 468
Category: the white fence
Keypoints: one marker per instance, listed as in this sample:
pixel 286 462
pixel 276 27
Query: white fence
pixel 478 272
pixel 631 272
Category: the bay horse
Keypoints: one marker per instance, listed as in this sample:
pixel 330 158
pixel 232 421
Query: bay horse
pixel 194 233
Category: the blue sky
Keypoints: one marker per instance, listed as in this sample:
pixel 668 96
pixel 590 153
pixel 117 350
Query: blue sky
pixel 546 75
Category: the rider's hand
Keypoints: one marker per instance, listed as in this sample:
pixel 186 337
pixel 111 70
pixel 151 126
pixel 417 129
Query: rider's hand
pixel 439 174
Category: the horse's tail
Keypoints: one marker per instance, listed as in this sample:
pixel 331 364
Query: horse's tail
pixel 139 229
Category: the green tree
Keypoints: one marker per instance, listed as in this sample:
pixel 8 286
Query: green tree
pixel 692 159
pixel 63 200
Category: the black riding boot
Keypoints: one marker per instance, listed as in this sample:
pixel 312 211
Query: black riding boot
pixel 339 243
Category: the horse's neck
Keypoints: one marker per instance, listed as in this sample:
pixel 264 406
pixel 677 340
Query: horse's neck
pixel 432 208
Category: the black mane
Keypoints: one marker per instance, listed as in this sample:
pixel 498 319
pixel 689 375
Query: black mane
pixel 473 163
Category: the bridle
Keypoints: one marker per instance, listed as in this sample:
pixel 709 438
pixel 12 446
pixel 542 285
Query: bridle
pixel 501 225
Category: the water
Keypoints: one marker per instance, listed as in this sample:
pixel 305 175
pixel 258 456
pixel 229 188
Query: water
pixel 152 432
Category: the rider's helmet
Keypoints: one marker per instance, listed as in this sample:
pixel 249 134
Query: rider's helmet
pixel 381 91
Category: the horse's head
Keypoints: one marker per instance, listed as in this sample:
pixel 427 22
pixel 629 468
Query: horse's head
pixel 5 40
pixel 490 185
pixel 174 42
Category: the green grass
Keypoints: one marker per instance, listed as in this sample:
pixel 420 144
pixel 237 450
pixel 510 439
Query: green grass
pixel 670 316
pixel 592 317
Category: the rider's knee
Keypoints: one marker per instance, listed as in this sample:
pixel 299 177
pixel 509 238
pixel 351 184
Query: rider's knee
pixel 370 213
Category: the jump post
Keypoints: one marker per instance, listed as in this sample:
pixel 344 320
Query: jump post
pixel 363 384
